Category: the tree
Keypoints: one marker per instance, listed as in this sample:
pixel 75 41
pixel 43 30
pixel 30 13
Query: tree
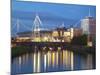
pixel 79 40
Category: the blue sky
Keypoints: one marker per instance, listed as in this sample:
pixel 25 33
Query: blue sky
pixel 52 15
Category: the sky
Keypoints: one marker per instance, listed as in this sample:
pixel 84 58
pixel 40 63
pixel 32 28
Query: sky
pixel 52 15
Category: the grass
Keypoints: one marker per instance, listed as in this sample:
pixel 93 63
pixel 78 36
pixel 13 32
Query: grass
pixel 19 50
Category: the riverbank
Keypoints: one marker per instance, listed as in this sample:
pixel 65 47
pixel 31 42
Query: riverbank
pixel 19 50
pixel 82 49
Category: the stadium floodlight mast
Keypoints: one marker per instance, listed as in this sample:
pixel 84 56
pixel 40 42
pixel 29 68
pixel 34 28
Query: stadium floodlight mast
pixel 36 26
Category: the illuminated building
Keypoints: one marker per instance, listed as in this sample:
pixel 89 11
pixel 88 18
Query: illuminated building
pixel 88 26
pixel 60 34
pixel 45 35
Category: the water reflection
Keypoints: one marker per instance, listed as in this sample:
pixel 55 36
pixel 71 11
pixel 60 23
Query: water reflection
pixel 51 61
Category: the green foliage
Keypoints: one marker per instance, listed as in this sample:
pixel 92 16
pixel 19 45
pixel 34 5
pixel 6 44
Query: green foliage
pixel 80 40
pixel 16 51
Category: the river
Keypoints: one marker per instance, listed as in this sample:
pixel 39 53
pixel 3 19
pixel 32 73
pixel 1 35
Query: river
pixel 51 61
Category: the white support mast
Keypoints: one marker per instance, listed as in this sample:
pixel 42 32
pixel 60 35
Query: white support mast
pixel 36 27
pixel 17 27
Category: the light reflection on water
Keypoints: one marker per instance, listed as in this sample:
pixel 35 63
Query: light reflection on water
pixel 51 61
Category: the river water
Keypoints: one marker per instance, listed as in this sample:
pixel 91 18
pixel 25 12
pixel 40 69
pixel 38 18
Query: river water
pixel 51 61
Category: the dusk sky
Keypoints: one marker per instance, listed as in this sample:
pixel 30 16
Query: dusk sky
pixel 51 15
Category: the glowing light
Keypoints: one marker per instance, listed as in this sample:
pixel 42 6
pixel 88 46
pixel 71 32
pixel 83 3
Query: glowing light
pixel 89 62
pixel 37 39
pixel 56 58
pixel 50 48
pixel 38 63
pixel 45 62
pixel 90 44
pixel 72 61
pixel 59 48
pixel 20 60
pixel 53 59
pixel 34 62
pixel 45 39
pixel 49 58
